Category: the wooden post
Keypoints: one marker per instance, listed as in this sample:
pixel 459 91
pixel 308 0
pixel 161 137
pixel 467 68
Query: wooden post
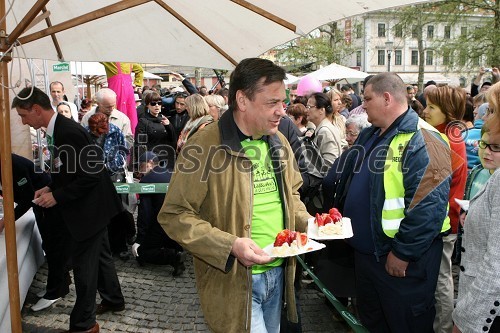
pixel 7 184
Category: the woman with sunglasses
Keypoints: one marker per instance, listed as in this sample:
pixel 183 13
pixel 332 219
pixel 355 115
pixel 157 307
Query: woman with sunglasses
pixel 154 132
pixel 478 303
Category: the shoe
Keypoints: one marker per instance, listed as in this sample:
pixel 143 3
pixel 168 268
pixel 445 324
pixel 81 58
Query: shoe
pixel 103 308
pixel 44 303
pixel 94 329
pixel 41 293
pixel 124 255
pixel 179 267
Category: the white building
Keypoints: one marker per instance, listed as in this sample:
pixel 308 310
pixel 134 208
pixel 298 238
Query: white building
pixel 380 47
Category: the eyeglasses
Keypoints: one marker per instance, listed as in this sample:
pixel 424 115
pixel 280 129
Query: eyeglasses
pixel 493 147
pixel 311 107
pixel 349 133
pixel 155 103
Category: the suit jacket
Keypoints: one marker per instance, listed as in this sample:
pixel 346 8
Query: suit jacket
pixel 80 183
pixel 479 288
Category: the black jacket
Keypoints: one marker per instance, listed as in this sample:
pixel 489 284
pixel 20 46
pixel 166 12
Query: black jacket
pixel 80 183
pixel 152 135
pixel 27 178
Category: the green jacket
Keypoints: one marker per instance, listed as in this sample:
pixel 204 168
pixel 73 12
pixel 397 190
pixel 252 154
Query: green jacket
pixel 209 205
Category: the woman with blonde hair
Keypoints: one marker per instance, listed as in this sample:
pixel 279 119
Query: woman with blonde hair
pixel 337 119
pixel 199 117
pixel 216 105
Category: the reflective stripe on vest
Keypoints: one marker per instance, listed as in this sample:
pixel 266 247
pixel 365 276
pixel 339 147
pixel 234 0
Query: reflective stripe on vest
pixel 394 204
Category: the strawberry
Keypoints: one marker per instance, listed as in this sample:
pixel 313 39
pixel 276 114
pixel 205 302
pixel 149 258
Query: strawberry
pixel 319 220
pixel 282 238
pixel 328 219
pixel 301 239
pixel 335 215
pixel 292 236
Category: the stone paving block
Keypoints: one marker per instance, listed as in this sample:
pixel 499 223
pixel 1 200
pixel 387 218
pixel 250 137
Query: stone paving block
pixel 157 302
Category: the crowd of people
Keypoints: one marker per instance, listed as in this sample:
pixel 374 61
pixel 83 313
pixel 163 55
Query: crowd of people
pixel 240 169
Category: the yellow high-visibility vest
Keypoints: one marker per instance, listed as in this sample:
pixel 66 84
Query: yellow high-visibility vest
pixel 394 203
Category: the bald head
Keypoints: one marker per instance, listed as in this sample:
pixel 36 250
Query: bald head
pixel 106 101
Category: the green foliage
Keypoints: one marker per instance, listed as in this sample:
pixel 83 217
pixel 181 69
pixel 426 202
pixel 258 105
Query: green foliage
pixel 325 45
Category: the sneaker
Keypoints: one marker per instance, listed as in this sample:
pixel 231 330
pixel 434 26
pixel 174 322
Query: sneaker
pixel 44 303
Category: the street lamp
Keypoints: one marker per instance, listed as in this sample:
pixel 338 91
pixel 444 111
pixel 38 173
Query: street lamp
pixel 389 46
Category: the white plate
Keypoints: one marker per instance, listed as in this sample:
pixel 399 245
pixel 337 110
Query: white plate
pixel 310 247
pixel 312 230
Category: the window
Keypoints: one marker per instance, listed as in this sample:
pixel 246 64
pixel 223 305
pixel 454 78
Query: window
pixel 398 56
pixel 414 57
pixel 430 32
pixel 446 58
pixel 429 57
pixel 381 29
pixel 414 31
pixel 463 31
pixel 462 58
pixel 358 58
pixel 447 32
pixel 359 31
pixel 398 31
pixel 381 57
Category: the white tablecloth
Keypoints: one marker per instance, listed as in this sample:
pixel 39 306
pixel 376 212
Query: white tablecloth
pixel 29 259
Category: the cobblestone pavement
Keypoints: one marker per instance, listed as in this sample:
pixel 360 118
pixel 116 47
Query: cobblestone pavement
pixel 158 302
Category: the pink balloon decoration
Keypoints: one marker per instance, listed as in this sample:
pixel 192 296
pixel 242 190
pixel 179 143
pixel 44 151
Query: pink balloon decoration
pixel 308 85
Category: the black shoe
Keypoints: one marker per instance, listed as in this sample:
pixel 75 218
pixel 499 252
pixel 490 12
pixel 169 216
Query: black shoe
pixel 103 308
pixel 140 261
pixel 179 267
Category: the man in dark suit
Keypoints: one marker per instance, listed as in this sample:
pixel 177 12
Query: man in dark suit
pixel 84 201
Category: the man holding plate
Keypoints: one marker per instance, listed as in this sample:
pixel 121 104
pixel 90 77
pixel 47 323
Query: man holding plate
pixel 234 189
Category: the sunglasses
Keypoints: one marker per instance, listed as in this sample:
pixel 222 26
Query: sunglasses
pixel 155 103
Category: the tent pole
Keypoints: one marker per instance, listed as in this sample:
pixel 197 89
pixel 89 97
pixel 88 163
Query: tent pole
pixel 7 186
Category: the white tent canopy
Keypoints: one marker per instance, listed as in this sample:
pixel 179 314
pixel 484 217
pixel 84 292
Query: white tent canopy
pixel 210 34
pixel 336 72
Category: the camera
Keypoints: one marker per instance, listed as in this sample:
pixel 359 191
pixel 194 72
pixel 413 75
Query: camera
pixel 487 69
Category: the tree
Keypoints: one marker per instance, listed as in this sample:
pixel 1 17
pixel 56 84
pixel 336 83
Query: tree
pixel 325 45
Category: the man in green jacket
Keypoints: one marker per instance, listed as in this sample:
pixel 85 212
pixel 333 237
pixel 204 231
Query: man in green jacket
pixel 234 188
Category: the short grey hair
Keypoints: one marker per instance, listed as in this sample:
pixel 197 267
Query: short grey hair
pixel 360 120
pixel 103 93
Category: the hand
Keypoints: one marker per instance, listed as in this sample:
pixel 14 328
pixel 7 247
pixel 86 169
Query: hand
pixel 456 329
pixel 248 253
pixel 41 191
pixel 177 76
pixel 395 266
pixel 462 217
pixel 481 71
pixel 164 121
pixel 495 72
pixel 46 200
pixel 2 225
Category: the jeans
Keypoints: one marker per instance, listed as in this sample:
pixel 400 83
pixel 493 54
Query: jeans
pixel 267 291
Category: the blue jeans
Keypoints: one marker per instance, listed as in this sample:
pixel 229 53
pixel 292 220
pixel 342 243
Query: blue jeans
pixel 267 291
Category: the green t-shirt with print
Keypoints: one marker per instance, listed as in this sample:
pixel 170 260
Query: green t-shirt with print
pixel 267 215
